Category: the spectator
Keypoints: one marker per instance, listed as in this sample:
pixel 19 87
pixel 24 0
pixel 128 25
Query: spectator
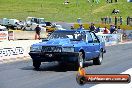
pixel 37 35
pixel 110 20
pixel 120 20
pixel 112 29
pixel 116 20
pixel 92 27
pixel 97 30
pixel 106 31
pixel 119 30
pixel 105 19
pixel 81 27
pixel 128 20
pixel 72 27
pixel 120 33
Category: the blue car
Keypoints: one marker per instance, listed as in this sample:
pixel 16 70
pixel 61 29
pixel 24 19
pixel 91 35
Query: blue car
pixel 68 46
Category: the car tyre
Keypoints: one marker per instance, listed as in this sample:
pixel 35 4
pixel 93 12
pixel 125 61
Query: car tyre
pixel 36 64
pixel 98 60
pixel 80 62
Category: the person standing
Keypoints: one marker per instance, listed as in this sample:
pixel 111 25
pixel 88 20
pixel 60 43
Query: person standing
pixel 110 20
pixel 97 30
pixel 105 19
pixel 92 27
pixel 72 27
pixel 37 30
pixel 116 20
pixel 80 27
pixel 119 30
pixel 120 20
pixel 106 31
pixel 112 29
pixel 128 20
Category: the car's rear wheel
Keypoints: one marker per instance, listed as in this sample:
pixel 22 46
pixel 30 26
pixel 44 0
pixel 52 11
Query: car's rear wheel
pixel 36 64
pixel 98 60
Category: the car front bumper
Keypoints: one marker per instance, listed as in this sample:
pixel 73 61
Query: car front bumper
pixel 54 56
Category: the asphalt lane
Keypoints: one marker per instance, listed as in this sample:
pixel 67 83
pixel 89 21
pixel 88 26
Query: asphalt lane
pixel 21 74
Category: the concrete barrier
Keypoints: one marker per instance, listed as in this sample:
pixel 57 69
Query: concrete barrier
pixel 14 49
pixel 30 35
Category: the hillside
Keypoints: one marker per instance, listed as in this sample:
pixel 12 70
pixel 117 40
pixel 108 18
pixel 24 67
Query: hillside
pixel 55 10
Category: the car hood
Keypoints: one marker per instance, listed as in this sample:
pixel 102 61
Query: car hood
pixel 58 42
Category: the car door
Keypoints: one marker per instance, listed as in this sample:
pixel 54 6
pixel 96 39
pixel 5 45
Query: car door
pixel 96 45
pixel 89 49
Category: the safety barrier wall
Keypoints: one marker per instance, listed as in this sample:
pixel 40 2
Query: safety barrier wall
pixel 110 39
pixel 14 49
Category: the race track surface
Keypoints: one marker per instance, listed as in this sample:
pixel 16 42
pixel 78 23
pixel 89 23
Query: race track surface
pixel 21 74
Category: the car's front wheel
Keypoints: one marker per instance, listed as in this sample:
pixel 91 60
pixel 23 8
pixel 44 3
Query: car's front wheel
pixel 80 62
pixel 36 64
pixel 98 60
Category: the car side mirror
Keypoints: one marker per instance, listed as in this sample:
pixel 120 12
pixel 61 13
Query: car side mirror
pixel 95 41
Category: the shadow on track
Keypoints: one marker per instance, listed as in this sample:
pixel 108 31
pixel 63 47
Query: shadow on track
pixel 56 67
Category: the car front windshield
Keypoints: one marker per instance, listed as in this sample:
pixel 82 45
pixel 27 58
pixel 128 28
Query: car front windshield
pixel 73 35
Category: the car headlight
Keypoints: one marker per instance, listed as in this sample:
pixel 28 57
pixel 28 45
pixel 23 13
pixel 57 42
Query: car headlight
pixel 36 48
pixel 68 49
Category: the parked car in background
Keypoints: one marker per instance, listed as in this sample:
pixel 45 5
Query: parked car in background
pixel 68 46
pixel 59 27
pixel 10 23
pixel 32 22
pixel 3 28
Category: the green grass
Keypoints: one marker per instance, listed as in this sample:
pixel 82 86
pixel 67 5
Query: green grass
pixel 55 10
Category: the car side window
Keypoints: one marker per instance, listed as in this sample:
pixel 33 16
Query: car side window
pixel 95 40
pixel 89 38
pixel 84 37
